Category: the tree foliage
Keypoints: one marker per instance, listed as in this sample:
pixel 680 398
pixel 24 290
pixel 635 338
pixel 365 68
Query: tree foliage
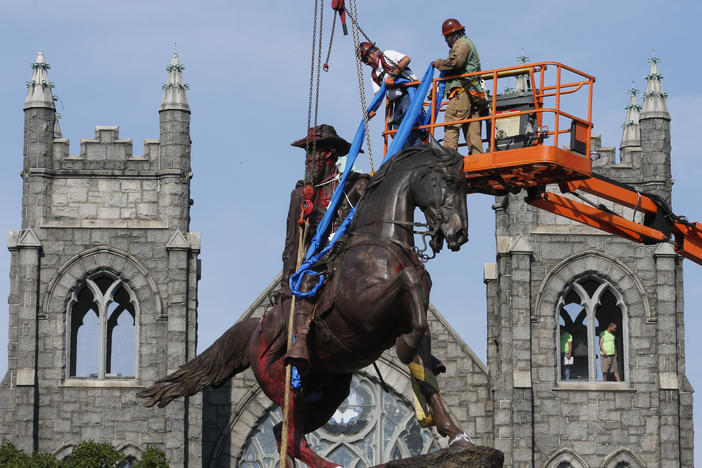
pixel 92 454
pixel 153 458
pixel 88 454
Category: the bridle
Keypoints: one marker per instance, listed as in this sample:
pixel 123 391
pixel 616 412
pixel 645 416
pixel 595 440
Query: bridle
pixel 432 226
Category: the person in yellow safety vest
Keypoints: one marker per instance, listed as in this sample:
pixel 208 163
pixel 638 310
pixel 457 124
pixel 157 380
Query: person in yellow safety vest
pixel 566 353
pixel 466 95
pixel 608 352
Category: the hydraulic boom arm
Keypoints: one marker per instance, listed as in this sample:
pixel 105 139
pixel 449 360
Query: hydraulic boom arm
pixel 657 223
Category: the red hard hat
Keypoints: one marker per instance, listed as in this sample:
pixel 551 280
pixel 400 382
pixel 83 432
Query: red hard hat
pixel 363 49
pixel 451 25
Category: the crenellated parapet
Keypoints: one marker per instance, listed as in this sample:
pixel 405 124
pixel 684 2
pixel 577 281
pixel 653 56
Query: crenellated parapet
pixel 106 185
pixel 106 151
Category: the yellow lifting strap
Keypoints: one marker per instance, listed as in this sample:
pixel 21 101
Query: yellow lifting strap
pixel 420 374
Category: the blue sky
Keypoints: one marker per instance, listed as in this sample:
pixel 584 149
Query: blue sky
pixel 248 64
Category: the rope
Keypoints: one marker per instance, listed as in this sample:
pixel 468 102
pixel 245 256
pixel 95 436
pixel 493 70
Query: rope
pixel 302 232
pixel 314 90
pixel 355 28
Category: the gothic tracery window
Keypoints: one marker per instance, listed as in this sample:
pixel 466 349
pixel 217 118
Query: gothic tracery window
pixel 586 309
pixel 101 329
pixel 369 428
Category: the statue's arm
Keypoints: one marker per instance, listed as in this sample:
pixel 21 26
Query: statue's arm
pixel 358 188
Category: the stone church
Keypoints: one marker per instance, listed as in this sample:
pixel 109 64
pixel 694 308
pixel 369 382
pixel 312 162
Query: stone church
pixel 103 301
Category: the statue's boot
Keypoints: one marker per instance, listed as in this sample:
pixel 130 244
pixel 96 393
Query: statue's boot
pixel 298 354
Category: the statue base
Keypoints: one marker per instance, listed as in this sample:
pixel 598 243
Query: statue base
pixel 477 456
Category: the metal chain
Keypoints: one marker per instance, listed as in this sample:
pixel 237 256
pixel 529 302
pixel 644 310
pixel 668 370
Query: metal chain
pixel 359 73
pixel 331 40
pixel 354 22
pixel 319 62
pixel 309 103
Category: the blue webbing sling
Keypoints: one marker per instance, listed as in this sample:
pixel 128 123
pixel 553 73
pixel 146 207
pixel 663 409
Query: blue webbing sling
pixel 409 120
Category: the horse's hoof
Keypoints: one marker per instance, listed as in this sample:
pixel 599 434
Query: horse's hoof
pixel 462 440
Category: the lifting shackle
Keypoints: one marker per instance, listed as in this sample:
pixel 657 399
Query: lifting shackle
pixel 338 5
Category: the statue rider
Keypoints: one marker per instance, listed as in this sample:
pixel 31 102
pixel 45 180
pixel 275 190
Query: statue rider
pixel 308 202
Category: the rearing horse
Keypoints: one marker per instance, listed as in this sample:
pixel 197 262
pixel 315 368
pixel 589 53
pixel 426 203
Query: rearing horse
pixel 376 296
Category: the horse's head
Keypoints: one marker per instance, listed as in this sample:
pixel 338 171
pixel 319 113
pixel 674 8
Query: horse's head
pixel 443 201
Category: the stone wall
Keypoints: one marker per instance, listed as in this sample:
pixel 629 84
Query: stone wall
pixel 542 421
pixel 104 211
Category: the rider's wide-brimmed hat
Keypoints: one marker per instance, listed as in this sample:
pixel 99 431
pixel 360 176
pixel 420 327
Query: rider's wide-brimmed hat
pixel 324 135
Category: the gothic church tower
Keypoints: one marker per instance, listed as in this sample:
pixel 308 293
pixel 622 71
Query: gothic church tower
pixel 103 284
pixel 555 277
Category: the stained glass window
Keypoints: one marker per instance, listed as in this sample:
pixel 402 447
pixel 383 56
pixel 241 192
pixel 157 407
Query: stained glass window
pixel 369 428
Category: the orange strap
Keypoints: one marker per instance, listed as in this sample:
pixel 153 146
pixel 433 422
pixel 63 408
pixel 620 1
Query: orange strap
pixel 477 94
pixel 455 92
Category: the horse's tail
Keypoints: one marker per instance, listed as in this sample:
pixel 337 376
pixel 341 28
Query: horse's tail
pixel 226 357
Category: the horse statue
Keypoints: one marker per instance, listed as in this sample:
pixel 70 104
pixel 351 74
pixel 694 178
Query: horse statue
pixel 375 296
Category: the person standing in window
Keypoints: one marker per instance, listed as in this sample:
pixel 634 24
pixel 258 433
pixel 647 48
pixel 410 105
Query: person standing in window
pixel 608 353
pixel 566 353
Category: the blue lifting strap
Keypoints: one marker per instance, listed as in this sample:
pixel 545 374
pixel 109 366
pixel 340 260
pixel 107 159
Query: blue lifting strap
pixel 409 120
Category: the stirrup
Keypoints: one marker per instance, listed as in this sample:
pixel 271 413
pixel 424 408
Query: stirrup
pixel 298 356
pixel 464 437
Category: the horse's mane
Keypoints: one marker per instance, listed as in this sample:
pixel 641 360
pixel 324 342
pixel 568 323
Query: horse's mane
pixel 447 158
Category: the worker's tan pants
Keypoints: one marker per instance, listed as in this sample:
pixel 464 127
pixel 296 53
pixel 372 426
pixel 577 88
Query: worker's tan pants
pixel 460 108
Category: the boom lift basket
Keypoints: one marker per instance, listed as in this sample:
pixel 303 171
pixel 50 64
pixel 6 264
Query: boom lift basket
pixel 522 132
pixel 524 152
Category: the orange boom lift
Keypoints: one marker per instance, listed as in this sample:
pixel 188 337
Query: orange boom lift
pixel 527 134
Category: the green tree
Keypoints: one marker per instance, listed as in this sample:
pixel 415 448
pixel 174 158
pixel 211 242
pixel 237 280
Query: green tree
pixel 153 458
pixel 88 454
pixel 12 457
pixel 43 460
pixel 91 454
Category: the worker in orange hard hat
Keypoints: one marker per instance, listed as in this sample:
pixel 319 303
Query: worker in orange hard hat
pixel 388 66
pixel 466 95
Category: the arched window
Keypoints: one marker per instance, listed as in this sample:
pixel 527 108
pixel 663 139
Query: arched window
pixel 369 428
pixel 622 458
pixel 129 463
pixel 565 458
pixel 592 332
pixel 101 329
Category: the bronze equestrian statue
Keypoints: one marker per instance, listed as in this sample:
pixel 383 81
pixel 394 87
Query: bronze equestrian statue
pixel 376 295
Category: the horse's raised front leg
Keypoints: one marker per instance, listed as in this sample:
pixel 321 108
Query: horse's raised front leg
pixel 429 406
pixel 406 345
